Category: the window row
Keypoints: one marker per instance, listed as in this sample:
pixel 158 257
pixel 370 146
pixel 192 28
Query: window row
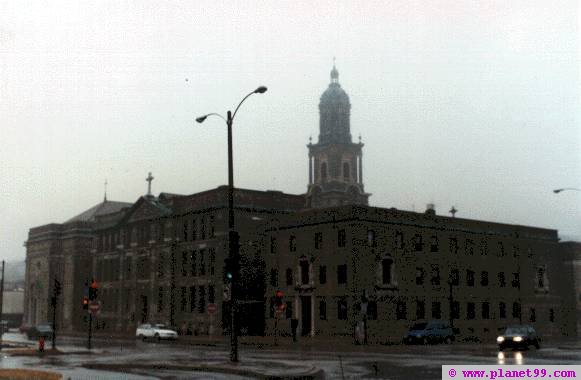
pixel 185 230
pixel 187 299
pixel 304 277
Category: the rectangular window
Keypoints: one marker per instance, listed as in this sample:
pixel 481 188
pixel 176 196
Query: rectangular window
pixel 161 265
pixel 289 277
pixel 455 312
pixel 386 268
pixel 183 299
pixel 455 277
pixel 418 245
pixel 400 310
pixel 342 310
pixel 372 310
pixel 371 238
pixel 434 244
pixel 341 274
pixel 502 310
pixel 203 228
pixel 485 310
pixel 341 238
pixel 160 299
pixel 194 229
pixel 532 315
pixel 212 253
pixel 484 278
pixel 501 280
pixel 202 301
pixel 469 247
pixel 272 244
pixel 469 278
pixel 435 280
pixel 322 310
pixel 453 245
pixel 516 310
pixel 274 277
pixel 420 309
pixel 289 309
pixel 470 310
pixel 398 240
pixel 318 240
pixel 516 280
pixel 211 294
pixel 202 262
pixel 484 248
pixel 185 231
pixel 419 276
pixel 436 310
pixel 193 260
pixel 305 269
pixel 192 298
pixel 292 243
pixel 184 263
pixel 551 315
pixel 500 249
pixel 322 274
pixel 212 231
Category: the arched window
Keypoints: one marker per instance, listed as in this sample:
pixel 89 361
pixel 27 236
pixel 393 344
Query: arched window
pixel 346 175
pixel 324 171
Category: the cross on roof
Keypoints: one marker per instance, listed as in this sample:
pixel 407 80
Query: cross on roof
pixel 453 211
pixel 105 198
pixel 149 179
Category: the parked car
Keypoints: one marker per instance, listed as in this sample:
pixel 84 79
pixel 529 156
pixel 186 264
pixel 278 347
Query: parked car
pixel 155 331
pixel 429 332
pixel 35 332
pixel 521 336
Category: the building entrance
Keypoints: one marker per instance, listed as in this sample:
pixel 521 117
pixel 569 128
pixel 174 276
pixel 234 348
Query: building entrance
pixel 305 315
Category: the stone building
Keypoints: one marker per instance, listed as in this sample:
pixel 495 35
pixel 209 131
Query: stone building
pixel 161 259
pixel 480 276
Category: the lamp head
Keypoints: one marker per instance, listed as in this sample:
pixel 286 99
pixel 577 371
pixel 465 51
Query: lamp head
pixel 557 191
pixel 201 118
pixel 260 90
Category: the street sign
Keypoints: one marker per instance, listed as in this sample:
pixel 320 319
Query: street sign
pixel 94 307
pixel 211 308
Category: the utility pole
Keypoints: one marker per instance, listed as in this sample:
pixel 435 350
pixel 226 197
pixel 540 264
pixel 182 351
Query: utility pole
pixel 56 291
pixel 2 303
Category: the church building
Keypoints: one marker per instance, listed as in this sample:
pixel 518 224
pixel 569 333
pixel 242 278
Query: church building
pixel 336 260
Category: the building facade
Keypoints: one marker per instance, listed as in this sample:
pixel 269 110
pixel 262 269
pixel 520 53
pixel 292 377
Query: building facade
pixel 337 260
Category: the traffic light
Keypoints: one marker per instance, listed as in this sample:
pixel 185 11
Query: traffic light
pixel 234 241
pixel 85 303
pixel 278 299
pixel 230 269
pixel 93 290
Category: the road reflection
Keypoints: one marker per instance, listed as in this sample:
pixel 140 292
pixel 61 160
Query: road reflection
pixel 517 356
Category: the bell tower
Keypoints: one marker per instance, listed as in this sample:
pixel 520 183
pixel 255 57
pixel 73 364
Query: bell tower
pixel 335 162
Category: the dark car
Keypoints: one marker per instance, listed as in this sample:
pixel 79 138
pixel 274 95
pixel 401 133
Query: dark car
pixel 521 336
pixel 429 332
pixel 44 330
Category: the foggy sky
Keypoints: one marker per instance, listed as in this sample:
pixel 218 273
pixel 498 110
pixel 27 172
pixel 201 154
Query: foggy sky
pixel 467 103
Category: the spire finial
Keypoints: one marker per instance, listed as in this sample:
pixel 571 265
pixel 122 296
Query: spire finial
pixel 149 179
pixel 310 140
pixel 334 73
pixel 105 197
pixel 360 138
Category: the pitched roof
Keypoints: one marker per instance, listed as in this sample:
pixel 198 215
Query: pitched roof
pixel 103 208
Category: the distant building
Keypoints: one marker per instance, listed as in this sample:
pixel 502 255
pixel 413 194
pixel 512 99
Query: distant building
pixel 13 307
pixel 161 259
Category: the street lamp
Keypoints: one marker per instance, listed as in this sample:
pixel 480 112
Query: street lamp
pixel 557 191
pixel 232 235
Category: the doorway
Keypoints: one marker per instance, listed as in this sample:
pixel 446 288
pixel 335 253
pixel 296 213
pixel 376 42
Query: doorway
pixel 305 315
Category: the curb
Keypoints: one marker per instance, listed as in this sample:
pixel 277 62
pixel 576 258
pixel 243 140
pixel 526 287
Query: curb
pixel 312 374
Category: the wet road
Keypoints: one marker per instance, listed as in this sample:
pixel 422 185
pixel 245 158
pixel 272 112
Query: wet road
pixel 393 362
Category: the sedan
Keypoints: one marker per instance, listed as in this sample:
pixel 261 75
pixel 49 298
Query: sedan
pixel 35 332
pixel 155 331
pixel 521 336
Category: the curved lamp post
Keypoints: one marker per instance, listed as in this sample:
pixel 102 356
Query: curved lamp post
pixel 232 235
pixel 557 191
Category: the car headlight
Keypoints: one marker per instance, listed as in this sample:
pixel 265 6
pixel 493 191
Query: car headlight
pixel 517 338
pixel 500 339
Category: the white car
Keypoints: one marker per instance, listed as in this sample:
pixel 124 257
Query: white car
pixel 155 331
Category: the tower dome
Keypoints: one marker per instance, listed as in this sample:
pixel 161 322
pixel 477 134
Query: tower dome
pixel 334 110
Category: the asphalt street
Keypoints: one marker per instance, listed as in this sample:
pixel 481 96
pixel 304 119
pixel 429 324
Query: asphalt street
pixel 131 359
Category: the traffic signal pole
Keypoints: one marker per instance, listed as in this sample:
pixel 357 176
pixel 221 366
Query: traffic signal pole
pixel 90 330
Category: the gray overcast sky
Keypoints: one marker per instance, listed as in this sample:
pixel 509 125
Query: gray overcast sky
pixel 466 103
